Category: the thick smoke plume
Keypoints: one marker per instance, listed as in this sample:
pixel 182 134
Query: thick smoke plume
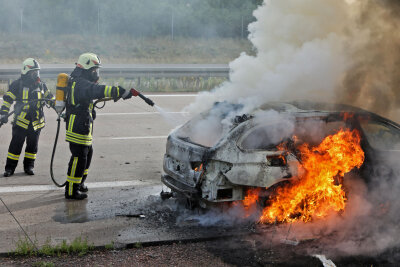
pixel 329 51
pixel 373 80
pixel 302 53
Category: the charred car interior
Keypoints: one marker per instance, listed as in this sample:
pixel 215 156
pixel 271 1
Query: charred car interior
pixel 219 155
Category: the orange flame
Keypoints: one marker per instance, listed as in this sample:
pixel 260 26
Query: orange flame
pixel 251 197
pixel 318 191
pixel 199 169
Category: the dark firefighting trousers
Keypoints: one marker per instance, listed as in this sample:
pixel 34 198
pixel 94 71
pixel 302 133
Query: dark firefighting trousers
pixel 17 142
pixel 78 165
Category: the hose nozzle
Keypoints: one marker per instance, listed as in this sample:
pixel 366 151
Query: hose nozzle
pixel 137 93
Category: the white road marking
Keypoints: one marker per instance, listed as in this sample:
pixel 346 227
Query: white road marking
pixel 138 113
pixel 139 137
pixel 37 188
pixel 325 262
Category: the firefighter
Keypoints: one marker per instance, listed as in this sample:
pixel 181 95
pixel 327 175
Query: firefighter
pixel 82 90
pixel 28 118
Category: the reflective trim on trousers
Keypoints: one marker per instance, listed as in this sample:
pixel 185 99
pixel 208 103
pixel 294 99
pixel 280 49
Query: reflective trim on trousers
pixel 76 180
pixel 12 156
pixel 30 155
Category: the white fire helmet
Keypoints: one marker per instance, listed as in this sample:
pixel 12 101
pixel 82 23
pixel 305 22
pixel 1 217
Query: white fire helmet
pixel 88 60
pixel 28 65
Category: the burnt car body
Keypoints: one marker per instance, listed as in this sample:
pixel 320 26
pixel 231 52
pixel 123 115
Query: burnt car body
pixel 244 154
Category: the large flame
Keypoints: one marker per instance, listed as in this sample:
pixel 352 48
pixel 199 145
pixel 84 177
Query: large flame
pixel 318 190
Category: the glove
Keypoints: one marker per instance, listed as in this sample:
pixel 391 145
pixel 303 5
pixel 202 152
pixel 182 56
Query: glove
pixel 120 92
pixel 4 118
pixel 125 94
pixel 52 103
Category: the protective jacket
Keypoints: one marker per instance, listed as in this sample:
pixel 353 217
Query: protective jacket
pixel 22 92
pixel 79 106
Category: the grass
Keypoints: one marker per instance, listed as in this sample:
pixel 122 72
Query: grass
pixel 127 49
pixel 109 246
pixel 120 49
pixel 78 246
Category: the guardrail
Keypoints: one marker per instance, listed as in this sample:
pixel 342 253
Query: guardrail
pixel 12 71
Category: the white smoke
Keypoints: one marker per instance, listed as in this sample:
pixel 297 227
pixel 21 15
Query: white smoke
pixel 303 52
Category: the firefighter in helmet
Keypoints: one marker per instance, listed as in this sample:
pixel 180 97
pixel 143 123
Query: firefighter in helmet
pixel 82 90
pixel 28 118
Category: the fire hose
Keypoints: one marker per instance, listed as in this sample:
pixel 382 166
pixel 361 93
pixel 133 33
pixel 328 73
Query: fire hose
pixel 61 115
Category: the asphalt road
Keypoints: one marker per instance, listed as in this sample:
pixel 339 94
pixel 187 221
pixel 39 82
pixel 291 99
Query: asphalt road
pixel 129 144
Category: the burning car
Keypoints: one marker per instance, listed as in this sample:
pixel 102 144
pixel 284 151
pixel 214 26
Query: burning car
pixel 219 156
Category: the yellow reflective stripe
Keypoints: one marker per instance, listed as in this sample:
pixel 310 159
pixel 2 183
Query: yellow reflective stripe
pixel 30 155
pixel 70 187
pixel 80 136
pixel 38 121
pixel 6 104
pixel 72 179
pixel 40 126
pixel 78 141
pixel 107 91
pixel 11 95
pixel 86 172
pixel 89 139
pixel 73 94
pixel 118 91
pixel 25 94
pixel 21 118
pixel 12 156
pixel 71 122
pixel 74 163
pixel 21 125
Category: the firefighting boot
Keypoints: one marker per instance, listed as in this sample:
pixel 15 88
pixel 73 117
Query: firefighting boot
pixel 73 193
pixel 8 172
pixel 82 187
pixel 29 170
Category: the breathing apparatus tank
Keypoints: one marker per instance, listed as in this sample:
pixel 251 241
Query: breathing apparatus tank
pixel 62 83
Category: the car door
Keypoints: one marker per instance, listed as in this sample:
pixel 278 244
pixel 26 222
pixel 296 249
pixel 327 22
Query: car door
pixel 381 143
